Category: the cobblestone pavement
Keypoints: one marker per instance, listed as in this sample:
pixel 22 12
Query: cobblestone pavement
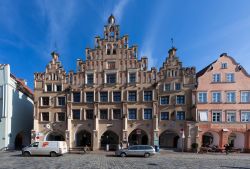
pixel 103 160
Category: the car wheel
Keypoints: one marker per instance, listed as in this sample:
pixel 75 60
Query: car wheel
pixel 26 154
pixel 123 155
pixel 146 155
pixel 53 154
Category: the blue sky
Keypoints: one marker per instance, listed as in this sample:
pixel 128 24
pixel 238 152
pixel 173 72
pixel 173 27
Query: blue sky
pixel 201 30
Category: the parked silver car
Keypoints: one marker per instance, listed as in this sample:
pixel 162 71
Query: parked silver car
pixel 136 150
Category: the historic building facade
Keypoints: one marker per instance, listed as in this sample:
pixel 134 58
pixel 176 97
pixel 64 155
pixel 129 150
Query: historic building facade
pixel 113 98
pixel 223 104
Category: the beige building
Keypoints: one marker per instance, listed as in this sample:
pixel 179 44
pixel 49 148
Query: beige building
pixel 113 98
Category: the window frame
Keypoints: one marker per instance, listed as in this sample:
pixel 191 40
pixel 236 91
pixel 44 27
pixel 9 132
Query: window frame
pixel 134 109
pixel 42 117
pixel 149 98
pixel 132 91
pixel 147 115
pixel 231 112
pixel 176 101
pixel 183 115
pixel 73 114
pixel 167 112
pixel 245 118
pixel 101 111
pixel 58 102
pixel 220 116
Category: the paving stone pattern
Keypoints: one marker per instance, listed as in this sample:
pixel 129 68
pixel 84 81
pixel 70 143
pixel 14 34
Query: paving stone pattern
pixel 108 161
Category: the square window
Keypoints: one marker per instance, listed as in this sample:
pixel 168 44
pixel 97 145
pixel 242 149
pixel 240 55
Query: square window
pixel 177 86
pixel 132 114
pixel 89 97
pixel 216 117
pixel 76 114
pixel 147 95
pixel 180 99
pixel 104 114
pixel 230 77
pixel 49 87
pixel 216 78
pixel 203 115
pixel 223 65
pixel 164 115
pixel 61 116
pixel 45 101
pixel 245 116
pixel 180 115
pixel 117 96
pixel 103 96
pixel 45 116
pixel 164 100
pixel 89 114
pixel 90 78
pixel 132 96
pixel 231 116
pixel 61 101
pixel 167 87
pixel 111 78
pixel 58 88
pixel 216 97
pixel 245 96
pixel 147 114
pixel 132 77
pixel 202 97
pixel 231 97
pixel 117 114
pixel 76 97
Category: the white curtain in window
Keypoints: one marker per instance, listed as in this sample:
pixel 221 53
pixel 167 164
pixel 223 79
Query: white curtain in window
pixel 203 116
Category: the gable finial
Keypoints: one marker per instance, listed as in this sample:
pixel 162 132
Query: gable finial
pixel 172 42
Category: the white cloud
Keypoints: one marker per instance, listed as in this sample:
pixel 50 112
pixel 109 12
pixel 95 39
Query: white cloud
pixel 60 16
pixel 149 43
pixel 119 9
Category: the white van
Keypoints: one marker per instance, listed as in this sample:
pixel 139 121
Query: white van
pixel 52 148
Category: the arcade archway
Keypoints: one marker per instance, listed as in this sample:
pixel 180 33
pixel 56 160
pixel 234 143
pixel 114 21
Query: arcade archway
pixel 54 136
pixel 138 136
pixel 236 140
pixel 210 138
pixel 83 138
pixel 110 138
pixel 169 139
pixel 19 141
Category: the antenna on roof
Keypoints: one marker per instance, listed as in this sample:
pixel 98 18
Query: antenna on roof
pixel 172 42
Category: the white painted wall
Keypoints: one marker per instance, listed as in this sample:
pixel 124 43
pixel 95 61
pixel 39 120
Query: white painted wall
pixel 17 111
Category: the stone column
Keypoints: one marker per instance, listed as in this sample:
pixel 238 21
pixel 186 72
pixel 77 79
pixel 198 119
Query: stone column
pixel 155 136
pixel 125 124
pixel 95 138
pixel 223 138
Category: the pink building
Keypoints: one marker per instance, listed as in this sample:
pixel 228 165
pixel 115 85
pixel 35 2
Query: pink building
pixel 223 104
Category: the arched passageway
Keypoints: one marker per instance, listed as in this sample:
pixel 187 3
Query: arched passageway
pixel 210 139
pixel 169 139
pixel 236 140
pixel 138 137
pixel 54 136
pixel 19 141
pixel 110 138
pixel 83 138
